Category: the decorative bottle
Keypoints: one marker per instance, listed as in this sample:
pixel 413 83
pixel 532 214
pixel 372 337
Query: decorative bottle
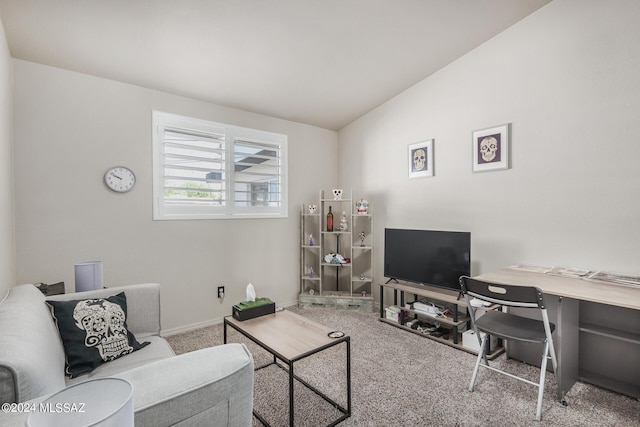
pixel 330 220
pixel 343 222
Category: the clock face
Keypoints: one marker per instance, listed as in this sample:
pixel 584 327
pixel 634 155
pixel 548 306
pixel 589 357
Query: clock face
pixel 120 179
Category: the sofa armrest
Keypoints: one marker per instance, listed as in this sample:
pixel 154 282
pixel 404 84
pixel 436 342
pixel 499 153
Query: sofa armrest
pixel 143 305
pixel 212 386
pixel 208 387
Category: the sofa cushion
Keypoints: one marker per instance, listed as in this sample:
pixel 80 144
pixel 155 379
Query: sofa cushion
pixel 93 331
pixel 31 355
pixel 143 301
pixel 158 349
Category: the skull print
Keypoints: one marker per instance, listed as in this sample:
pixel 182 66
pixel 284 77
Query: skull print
pixel 488 148
pixel 419 159
pixel 104 325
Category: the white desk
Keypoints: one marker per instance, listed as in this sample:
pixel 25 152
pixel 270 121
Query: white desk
pixel 597 335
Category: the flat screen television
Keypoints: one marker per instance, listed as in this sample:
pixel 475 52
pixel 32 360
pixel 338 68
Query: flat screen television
pixel 428 257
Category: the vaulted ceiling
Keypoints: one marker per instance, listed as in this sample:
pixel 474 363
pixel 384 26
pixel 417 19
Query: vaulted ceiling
pixel 320 62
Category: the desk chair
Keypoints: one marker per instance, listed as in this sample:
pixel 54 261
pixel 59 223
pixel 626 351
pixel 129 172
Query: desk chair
pixel 510 326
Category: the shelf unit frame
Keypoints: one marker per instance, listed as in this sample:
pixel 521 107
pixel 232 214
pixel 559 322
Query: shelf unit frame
pixel 333 286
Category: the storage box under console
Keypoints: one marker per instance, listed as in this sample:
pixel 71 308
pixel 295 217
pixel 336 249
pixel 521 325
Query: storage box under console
pixel 470 341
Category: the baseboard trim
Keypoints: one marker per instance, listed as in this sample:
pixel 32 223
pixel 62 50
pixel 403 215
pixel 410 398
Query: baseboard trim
pixel 204 324
pixel 190 327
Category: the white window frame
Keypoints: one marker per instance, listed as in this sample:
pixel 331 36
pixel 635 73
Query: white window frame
pixel 229 210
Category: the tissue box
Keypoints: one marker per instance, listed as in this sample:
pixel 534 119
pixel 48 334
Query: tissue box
pixel 241 312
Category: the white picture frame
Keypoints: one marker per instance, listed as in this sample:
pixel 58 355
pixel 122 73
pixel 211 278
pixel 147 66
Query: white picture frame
pixel 420 156
pixel 491 148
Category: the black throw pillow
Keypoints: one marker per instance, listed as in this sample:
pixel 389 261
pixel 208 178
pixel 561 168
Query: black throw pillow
pixel 93 331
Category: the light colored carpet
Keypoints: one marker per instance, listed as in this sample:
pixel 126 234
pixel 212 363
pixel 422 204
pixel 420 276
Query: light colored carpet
pixel 403 379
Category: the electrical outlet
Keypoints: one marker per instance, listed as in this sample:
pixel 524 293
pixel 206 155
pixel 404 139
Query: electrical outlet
pixel 220 292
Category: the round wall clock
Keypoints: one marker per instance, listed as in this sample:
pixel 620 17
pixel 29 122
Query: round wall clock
pixel 120 179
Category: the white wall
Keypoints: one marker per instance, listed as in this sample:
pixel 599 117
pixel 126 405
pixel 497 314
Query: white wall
pixel 70 128
pixel 568 86
pixel 567 79
pixel 7 249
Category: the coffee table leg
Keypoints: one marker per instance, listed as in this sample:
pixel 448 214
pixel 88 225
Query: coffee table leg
pixel 225 333
pixel 349 377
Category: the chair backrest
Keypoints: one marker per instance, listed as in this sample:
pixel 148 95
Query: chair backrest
pixel 509 295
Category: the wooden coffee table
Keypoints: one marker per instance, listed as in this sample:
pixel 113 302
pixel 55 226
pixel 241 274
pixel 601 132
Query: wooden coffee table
pixel 290 337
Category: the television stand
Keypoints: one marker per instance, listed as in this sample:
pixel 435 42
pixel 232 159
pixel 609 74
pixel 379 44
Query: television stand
pixel 455 323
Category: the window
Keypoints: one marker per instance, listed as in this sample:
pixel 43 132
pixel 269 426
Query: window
pixel 204 170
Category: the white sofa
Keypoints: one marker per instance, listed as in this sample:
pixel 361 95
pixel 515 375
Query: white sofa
pixel 213 386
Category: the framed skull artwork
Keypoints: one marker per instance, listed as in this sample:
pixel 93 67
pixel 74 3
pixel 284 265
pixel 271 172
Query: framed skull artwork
pixel 421 159
pixel 491 148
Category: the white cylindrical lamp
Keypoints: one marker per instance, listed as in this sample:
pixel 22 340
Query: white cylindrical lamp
pixel 88 276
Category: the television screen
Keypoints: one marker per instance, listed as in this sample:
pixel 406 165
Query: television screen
pixel 429 257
